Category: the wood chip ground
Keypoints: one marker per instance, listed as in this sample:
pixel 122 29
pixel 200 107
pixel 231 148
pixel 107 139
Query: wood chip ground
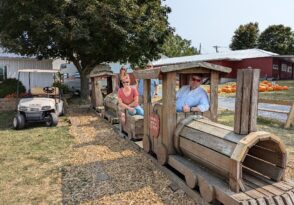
pixel 106 169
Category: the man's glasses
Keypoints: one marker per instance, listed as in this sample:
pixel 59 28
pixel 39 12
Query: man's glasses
pixel 196 79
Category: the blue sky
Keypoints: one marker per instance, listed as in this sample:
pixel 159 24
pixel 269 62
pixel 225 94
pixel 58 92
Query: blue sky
pixel 213 22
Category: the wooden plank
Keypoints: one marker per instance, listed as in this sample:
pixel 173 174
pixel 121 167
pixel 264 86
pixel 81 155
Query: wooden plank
pixel 235 177
pixel 217 131
pixel 259 189
pixel 193 70
pixel 268 155
pixel 238 103
pixel 277 102
pixel 290 119
pixel 273 172
pixel 291 195
pixel 279 200
pixel 287 200
pixel 261 201
pixel 270 201
pixel 221 190
pixel 254 100
pixel 241 197
pixel 246 101
pixel 147 100
pixel 271 110
pixel 214 81
pixel 252 202
pixel 282 186
pixel 147 74
pixel 169 110
pixel 207 155
pixel 212 142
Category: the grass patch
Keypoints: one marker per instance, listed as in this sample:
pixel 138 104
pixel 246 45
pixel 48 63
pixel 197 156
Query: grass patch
pixel 226 117
pixel 30 162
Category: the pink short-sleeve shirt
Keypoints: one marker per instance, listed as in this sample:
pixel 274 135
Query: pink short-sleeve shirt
pixel 130 98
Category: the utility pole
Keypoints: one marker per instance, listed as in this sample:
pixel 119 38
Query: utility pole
pixel 199 48
pixel 216 48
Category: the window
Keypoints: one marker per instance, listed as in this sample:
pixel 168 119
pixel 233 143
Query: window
pixel 275 67
pixel 3 73
pixel 289 69
pixel 284 67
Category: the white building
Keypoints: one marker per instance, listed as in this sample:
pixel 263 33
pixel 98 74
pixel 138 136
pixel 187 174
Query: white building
pixel 10 63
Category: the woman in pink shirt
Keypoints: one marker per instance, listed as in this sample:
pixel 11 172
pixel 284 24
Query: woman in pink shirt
pixel 128 98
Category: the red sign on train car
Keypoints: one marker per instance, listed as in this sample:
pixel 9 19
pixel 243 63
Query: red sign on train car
pixel 154 125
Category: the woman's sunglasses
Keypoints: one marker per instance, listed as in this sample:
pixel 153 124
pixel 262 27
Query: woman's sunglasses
pixel 196 79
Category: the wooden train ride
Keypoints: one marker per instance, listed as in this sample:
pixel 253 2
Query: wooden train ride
pixel 227 165
pixel 224 165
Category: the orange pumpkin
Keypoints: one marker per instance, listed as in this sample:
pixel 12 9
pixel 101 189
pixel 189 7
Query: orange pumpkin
pixel 270 89
pixel 262 89
pixel 285 88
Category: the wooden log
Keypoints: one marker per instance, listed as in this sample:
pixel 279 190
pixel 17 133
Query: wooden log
pixel 214 81
pixel 290 119
pixel 169 112
pixel 147 100
pixel 238 103
pixel 246 101
pixel 254 101
pixel 206 189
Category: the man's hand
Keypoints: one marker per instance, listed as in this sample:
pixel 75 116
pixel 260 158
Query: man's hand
pixel 186 108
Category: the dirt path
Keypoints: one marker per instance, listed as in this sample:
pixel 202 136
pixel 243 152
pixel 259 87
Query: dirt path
pixel 105 169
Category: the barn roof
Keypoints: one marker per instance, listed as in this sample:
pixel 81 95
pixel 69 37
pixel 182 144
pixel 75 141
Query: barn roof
pixel 229 55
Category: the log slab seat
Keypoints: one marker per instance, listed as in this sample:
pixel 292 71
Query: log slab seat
pixel 231 168
pixel 110 111
pixel 132 126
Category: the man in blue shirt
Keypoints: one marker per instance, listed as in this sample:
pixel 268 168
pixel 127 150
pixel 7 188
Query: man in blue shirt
pixel 153 86
pixel 192 98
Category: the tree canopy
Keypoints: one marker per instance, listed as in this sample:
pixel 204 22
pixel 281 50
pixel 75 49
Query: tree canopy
pixel 175 45
pixel 278 39
pixel 245 37
pixel 85 32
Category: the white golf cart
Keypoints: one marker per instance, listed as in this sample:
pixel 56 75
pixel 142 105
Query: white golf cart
pixel 43 104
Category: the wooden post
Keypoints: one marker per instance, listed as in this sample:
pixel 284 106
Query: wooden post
pixel 147 102
pixel 169 110
pixel 246 101
pixel 290 119
pixel 214 81
pixel 109 85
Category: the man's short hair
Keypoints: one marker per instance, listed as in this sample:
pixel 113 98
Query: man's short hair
pixel 197 74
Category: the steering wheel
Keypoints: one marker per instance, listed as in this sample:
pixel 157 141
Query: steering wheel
pixel 48 90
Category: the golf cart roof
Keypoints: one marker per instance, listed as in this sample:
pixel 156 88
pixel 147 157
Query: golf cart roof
pixel 37 71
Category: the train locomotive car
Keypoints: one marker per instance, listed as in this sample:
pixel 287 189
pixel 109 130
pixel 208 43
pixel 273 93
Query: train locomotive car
pixel 226 165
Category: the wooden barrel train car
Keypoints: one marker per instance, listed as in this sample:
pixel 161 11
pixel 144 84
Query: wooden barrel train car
pixel 225 165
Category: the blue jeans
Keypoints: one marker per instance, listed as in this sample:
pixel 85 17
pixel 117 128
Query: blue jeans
pixel 138 111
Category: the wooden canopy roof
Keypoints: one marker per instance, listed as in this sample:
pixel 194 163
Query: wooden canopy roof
pixel 189 67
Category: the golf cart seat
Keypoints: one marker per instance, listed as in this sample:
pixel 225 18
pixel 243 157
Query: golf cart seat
pixel 39 91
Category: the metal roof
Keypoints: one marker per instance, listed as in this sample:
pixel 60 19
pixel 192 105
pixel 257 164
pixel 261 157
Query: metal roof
pixel 37 71
pixel 4 54
pixel 229 55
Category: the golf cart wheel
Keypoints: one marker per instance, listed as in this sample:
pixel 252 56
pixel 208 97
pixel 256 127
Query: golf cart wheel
pixel 52 120
pixel 19 121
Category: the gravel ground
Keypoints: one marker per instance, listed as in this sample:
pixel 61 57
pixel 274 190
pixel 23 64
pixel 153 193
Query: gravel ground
pixel 229 103
pixel 106 169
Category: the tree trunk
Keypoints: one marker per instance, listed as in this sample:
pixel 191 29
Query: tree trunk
pixel 85 91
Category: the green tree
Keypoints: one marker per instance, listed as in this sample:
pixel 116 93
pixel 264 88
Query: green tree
pixel 175 45
pixel 278 39
pixel 245 36
pixel 85 32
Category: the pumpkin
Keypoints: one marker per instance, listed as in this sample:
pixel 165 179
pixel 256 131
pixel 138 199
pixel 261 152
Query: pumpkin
pixel 262 89
pixel 270 89
pixel 285 88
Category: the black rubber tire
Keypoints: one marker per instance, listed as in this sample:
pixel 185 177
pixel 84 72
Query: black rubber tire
pixel 19 121
pixel 53 120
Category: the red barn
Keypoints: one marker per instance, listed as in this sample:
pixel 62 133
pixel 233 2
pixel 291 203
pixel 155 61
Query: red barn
pixel 271 64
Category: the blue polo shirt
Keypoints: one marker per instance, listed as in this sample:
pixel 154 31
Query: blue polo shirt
pixel 193 98
pixel 154 83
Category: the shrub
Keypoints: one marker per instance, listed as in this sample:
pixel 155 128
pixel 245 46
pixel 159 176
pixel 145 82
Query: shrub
pixel 62 87
pixel 9 86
